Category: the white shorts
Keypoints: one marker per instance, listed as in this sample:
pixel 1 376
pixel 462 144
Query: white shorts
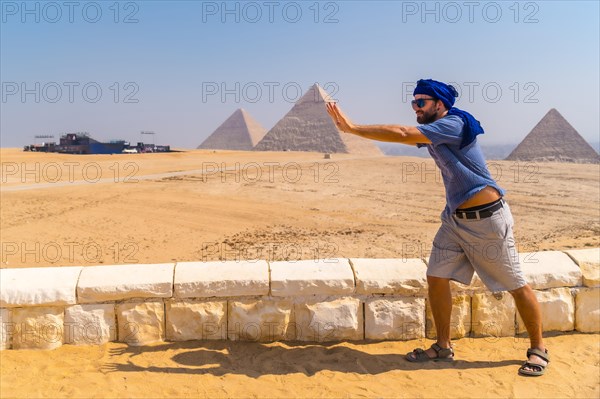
pixel 486 246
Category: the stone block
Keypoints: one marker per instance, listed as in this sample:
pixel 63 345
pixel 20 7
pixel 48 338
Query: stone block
pixel 6 328
pixel 460 322
pixel 587 310
pixel 90 324
pixel 39 327
pixel 493 315
pixel 589 263
pixel 141 323
pixel 38 286
pixel 475 286
pixel 558 310
pixel 261 319
pixel 405 277
pixel 120 282
pixel 550 269
pixel 221 279
pixel 310 277
pixel 196 319
pixel 333 319
pixel 394 318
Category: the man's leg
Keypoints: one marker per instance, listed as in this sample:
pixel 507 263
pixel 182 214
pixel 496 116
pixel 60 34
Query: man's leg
pixel 440 300
pixel 529 309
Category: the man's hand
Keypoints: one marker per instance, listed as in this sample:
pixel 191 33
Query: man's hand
pixel 391 133
pixel 340 120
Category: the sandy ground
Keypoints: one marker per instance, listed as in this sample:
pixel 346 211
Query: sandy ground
pixel 486 369
pixel 151 208
pixel 265 205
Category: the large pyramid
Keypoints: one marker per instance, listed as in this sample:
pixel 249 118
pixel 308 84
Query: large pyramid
pixel 554 139
pixel 239 132
pixel 308 127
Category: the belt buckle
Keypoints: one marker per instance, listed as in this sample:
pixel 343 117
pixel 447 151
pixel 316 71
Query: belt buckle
pixel 475 215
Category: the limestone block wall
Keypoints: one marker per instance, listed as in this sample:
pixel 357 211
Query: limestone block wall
pixel 310 300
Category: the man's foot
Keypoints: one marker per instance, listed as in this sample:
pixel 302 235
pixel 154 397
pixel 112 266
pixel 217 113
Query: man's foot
pixel 537 361
pixel 435 354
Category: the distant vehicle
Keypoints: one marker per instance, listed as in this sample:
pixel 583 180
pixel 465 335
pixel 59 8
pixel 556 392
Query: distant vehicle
pixel 130 151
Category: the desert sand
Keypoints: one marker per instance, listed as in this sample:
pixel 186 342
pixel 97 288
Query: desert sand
pixel 297 206
pixel 486 369
pixel 62 210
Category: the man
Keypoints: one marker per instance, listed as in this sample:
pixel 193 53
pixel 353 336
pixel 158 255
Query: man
pixel 476 221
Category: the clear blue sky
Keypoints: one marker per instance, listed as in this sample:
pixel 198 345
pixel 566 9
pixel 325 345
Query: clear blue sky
pixel 162 66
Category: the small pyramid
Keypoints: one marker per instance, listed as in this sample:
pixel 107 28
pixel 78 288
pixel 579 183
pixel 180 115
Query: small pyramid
pixel 308 127
pixel 554 139
pixel 239 132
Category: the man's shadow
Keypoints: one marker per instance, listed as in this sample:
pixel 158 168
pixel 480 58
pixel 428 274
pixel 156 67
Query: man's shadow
pixel 256 359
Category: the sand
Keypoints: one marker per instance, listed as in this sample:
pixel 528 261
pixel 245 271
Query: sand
pixel 276 206
pixel 486 369
pixel 300 207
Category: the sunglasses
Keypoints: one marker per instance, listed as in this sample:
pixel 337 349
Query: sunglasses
pixel 420 102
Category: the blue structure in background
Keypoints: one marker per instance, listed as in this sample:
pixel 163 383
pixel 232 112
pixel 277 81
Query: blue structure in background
pixel 82 143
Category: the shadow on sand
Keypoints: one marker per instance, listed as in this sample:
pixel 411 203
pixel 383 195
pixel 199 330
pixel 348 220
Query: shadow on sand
pixel 256 359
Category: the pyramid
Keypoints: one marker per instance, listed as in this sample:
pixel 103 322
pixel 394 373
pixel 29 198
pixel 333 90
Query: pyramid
pixel 554 139
pixel 239 132
pixel 308 127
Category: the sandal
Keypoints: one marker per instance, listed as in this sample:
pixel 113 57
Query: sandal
pixel 537 369
pixel 442 355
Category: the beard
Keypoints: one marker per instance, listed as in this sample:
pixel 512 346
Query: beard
pixel 426 118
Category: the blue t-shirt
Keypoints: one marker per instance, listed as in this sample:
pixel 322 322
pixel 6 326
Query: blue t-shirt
pixel 463 170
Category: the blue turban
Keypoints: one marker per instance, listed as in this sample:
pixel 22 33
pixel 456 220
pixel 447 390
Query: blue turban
pixel 447 94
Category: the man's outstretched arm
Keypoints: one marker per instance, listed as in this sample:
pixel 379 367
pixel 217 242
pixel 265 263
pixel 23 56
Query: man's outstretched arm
pixel 392 133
